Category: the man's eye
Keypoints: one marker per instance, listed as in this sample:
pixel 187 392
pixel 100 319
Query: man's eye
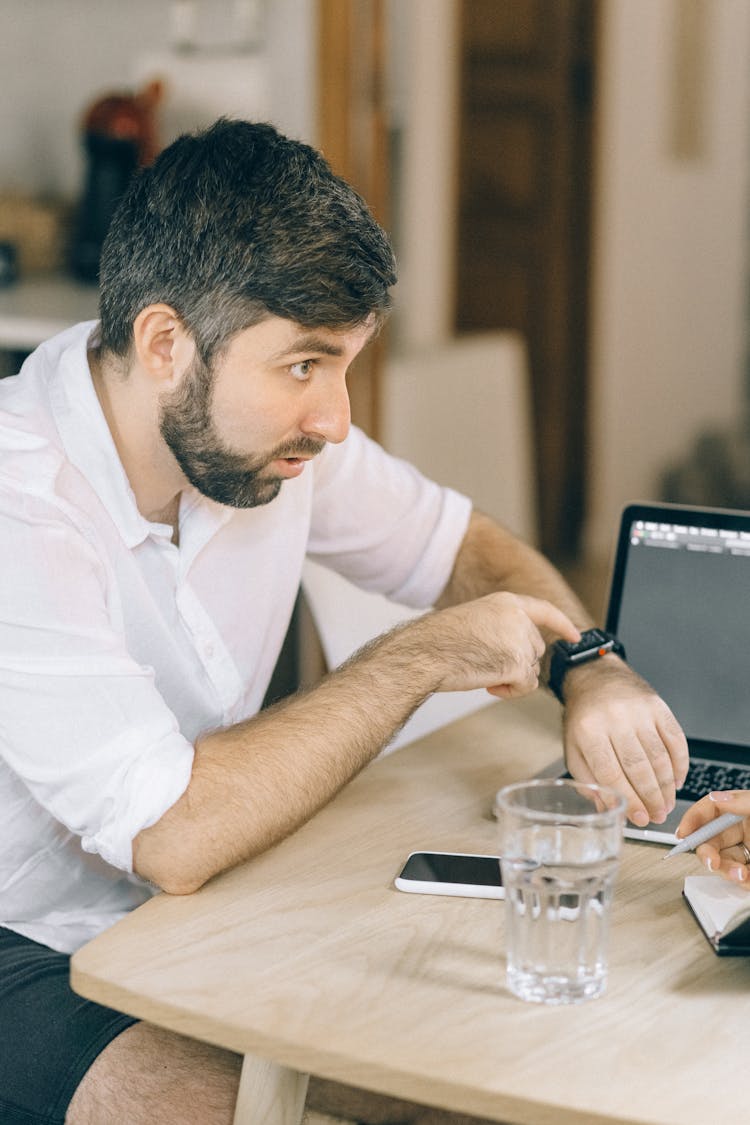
pixel 302 370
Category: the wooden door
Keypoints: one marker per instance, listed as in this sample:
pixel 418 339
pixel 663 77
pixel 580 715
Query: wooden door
pixel 353 133
pixel 523 221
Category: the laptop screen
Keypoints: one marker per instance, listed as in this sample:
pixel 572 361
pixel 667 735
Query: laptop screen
pixel 680 604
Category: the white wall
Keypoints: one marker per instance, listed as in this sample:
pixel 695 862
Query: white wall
pixel 57 56
pixel 671 279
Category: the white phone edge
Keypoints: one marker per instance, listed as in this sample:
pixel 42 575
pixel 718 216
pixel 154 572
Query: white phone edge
pixel 459 890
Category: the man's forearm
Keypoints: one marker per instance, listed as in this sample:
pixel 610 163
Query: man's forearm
pixel 255 783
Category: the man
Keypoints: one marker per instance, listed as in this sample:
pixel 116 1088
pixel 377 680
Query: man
pixel 164 473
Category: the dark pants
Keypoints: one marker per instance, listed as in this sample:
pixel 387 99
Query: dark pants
pixel 49 1036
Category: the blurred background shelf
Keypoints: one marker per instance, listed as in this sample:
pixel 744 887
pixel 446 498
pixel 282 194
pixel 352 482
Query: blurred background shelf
pixel 36 308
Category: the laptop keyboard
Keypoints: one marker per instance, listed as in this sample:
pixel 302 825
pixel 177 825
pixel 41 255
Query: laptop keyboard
pixel 704 777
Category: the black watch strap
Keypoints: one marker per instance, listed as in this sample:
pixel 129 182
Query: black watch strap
pixel 566 655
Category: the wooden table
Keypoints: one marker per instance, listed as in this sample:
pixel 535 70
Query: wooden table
pixel 309 959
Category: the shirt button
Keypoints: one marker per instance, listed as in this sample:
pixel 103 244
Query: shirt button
pixel 208 651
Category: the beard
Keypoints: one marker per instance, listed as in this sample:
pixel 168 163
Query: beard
pixel 217 472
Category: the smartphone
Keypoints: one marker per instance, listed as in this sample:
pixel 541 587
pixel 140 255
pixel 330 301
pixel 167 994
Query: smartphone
pixel 452 873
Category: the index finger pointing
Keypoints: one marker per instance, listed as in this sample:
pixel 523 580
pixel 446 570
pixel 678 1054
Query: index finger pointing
pixel 547 616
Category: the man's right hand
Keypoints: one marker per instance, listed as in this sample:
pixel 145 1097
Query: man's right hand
pixel 494 642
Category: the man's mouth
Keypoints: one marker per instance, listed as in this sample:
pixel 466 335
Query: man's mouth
pixel 290 466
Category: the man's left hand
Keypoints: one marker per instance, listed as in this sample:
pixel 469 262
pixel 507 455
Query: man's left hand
pixel 619 732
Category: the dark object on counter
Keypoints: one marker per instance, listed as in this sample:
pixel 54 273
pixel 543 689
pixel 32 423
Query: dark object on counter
pixel 110 164
pixel 119 136
pixel 8 264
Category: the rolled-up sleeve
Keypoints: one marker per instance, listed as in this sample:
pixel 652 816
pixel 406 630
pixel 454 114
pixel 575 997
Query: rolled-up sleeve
pixel 82 723
pixel 378 521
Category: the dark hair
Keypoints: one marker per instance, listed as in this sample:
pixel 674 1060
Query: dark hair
pixel 235 224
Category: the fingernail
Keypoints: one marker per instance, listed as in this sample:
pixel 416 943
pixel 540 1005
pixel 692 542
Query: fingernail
pixel 709 863
pixel 740 874
pixel 640 818
pixel 720 796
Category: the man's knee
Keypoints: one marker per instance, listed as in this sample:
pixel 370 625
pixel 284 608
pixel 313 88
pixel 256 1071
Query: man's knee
pixel 147 1076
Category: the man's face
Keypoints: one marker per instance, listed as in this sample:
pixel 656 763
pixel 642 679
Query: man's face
pixel 270 403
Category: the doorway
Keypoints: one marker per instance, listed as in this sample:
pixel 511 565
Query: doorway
pixel 524 169
pixel 524 190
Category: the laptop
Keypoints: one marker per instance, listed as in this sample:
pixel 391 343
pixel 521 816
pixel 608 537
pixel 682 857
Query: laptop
pixel 680 603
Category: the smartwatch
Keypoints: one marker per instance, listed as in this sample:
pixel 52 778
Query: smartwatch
pixel 566 655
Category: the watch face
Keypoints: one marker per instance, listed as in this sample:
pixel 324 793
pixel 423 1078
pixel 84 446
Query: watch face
pixel 594 642
pixel 566 655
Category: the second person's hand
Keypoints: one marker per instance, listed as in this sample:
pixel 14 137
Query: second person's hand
pixel 728 854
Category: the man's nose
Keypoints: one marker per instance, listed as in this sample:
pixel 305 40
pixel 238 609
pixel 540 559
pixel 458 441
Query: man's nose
pixel 330 417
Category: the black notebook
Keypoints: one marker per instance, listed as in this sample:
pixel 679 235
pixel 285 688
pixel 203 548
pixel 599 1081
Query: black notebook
pixel 723 913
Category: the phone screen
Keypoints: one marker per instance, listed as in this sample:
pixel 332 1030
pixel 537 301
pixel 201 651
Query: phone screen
pixel 442 867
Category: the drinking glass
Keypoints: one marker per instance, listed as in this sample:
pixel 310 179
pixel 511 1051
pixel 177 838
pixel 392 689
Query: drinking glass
pixel 560 842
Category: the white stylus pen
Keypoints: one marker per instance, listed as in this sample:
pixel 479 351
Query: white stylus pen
pixel 707 832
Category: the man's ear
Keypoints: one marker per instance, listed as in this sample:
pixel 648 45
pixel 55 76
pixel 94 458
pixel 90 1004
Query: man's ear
pixel 162 344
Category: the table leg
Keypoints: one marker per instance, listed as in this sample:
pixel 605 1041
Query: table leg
pixel 269 1094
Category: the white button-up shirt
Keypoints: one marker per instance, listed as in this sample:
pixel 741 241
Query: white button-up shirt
pixel 117 648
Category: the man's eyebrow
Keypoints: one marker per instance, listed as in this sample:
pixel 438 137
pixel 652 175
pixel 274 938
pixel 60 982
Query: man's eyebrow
pixel 310 342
